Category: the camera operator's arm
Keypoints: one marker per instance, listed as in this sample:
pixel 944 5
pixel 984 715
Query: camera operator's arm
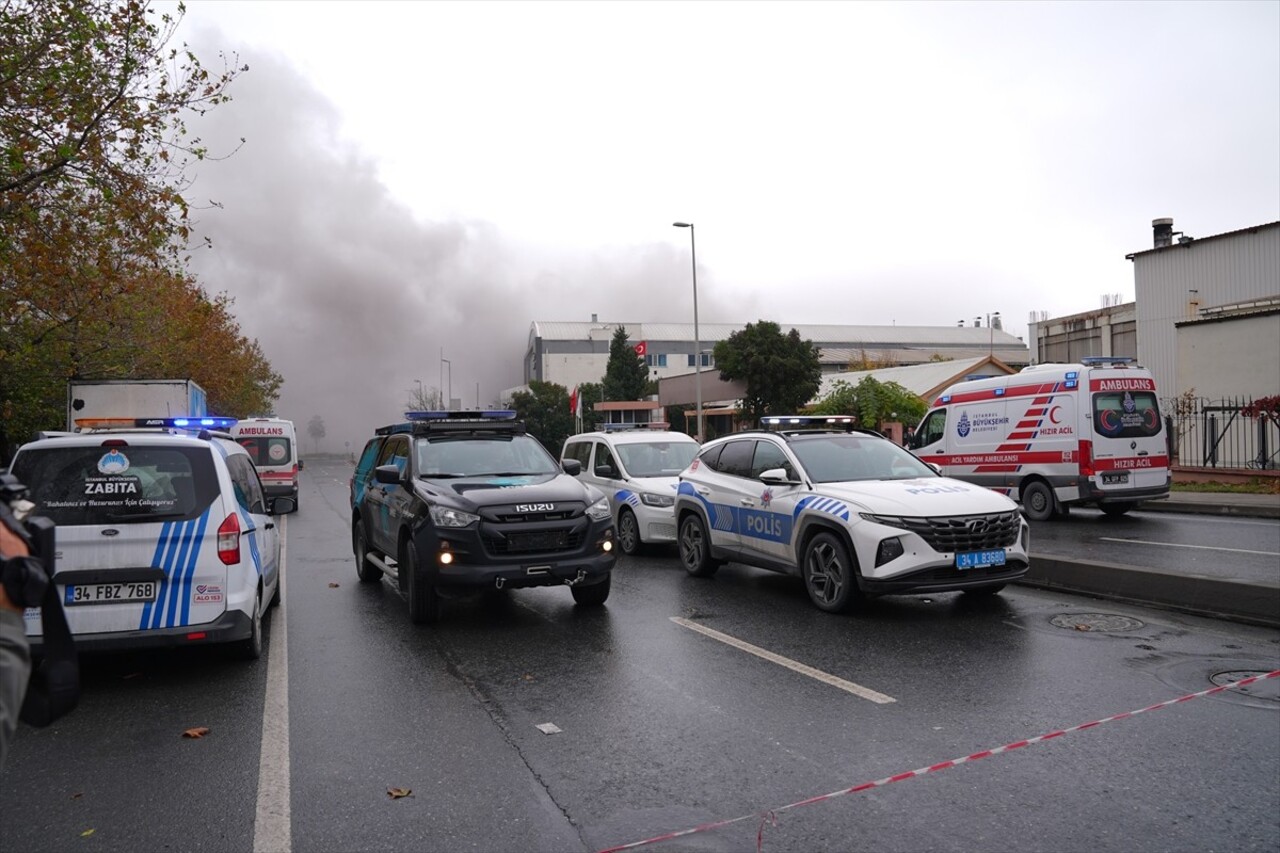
pixel 15 654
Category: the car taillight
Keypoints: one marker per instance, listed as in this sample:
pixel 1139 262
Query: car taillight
pixel 1086 458
pixel 229 540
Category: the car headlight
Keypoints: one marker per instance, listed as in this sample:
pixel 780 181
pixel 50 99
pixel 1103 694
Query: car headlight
pixel 443 516
pixel 599 511
pixel 657 500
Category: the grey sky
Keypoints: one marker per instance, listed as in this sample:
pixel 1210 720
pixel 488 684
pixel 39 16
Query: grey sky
pixel 427 175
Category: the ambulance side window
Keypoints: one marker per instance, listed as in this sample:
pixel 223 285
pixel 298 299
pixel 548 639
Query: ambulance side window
pixel 931 429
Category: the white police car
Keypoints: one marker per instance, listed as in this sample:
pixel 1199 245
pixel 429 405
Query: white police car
pixel 849 511
pixel 638 467
pixel 164 534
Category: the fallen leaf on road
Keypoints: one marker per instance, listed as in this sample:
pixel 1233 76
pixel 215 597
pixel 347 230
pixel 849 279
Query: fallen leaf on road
pixel 399 793
pixel 87 833
pixel 332 585
pixel 77 795
pixel 1083 628
pixel 196 732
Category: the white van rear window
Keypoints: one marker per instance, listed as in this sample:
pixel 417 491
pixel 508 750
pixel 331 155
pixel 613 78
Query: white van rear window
pixel 266 451
pixel 1126 414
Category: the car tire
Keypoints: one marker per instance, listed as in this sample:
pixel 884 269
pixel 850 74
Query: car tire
pixel 1115 510
pixel 295 502
pixel 989 589
pixel 424 601
pixel 365 570
pixel 1038 502
pixel 830 577
pixel 278 595
pixel 594 595
pixel 695 547
pixel 628 533
pixel 250 648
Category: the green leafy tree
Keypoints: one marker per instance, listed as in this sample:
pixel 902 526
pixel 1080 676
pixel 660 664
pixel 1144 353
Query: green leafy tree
pixel 782 373
pixel 590 392
pixel 93 221
pixel 544 408
pixel 872 402
pixel 626 376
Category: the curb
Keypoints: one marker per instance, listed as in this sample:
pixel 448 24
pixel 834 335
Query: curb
pixel 1258 510
pixel 1238 601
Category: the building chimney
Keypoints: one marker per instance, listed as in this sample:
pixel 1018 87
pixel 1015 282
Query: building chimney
pixel 595 318
pixel 1162 230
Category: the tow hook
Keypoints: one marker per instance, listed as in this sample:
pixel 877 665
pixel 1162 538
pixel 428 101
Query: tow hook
pixel 582 575
pixel 497 584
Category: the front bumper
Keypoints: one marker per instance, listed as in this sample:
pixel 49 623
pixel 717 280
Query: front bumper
pixel 478 557
pixel 945 579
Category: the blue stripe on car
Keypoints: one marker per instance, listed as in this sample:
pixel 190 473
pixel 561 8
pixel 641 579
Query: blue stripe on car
pixel 191 567
pixel 165 529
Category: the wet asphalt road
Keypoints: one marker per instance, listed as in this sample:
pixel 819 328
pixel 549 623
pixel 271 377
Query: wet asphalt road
pixel 664 728
pixel 1245 549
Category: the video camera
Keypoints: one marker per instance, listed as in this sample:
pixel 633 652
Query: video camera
pixel 54 688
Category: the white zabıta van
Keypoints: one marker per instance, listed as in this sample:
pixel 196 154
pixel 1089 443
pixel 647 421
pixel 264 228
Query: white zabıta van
pixel 1053 436
pixel 272 443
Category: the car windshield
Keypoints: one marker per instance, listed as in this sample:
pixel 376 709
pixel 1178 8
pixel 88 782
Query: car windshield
pixel 482 455
pixel 852 457
pixel 657 458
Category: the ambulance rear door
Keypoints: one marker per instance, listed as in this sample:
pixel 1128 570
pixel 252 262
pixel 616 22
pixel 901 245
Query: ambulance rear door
pixel 1128 438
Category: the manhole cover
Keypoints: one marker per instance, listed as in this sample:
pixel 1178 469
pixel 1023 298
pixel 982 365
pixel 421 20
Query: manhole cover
pixel 1268 688
pixel 1103 623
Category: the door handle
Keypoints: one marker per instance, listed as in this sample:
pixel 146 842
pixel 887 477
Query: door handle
pixel 703 492
pixel 747 502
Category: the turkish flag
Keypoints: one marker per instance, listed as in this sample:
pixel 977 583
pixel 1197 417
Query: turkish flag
pixel 642 349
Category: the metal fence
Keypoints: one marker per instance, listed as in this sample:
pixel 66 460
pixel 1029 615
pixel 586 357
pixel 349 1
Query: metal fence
pixel 1216 434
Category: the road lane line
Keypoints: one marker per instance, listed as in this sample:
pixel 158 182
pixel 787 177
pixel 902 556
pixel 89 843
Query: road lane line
pixel 803 669
pixel 271 826
pixel 1198 547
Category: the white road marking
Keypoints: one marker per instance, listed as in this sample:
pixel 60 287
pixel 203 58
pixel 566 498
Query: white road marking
pixel 1198 547
pixel 803 669
pixel 271 826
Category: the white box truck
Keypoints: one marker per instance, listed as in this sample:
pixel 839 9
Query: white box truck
pixel 134 398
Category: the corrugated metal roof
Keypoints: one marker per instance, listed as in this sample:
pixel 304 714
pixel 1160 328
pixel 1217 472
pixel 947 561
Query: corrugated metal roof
pixel 867 336
pixel 1253 229
pixel 919 379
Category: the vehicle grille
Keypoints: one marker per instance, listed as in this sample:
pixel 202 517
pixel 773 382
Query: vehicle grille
pixel 517 517
pixel 947 534
pixel 533 542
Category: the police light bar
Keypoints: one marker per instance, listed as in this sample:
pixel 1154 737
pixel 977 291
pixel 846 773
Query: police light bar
pixel 656 425
pixel 170 423
pixel 805 420
pixel 1107 359
pixel 486 415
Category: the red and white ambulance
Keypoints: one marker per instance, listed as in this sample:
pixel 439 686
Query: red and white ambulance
pixel 1054 435
pixel 273 445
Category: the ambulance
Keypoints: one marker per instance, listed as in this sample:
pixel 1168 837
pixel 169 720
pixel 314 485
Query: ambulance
pixel 273 445
pixel 1054 436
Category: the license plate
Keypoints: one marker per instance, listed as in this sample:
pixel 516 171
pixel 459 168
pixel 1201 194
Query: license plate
pixel 1118 479
pixel 536 541
pixel 979 559
pixel 111 593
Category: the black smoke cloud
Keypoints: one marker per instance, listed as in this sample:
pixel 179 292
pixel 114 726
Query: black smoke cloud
pixel 351 295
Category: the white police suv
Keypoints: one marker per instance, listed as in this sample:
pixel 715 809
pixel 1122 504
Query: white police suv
pixel 847 510
pixel 164 534
pixel 638 467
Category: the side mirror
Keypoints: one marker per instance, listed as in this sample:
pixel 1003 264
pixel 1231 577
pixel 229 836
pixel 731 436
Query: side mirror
pixel 387 474
pixel 937 469
pixel 571 467
pixel 301 465
pixel 281 505
pixel 607 472
pixel 776 477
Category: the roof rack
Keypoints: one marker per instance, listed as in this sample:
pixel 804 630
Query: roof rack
pixel 424 423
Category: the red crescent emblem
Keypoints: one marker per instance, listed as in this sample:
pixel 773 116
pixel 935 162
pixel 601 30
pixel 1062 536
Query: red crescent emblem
pixel 1052 415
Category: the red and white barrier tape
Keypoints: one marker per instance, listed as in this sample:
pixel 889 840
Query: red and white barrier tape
pixel 770 816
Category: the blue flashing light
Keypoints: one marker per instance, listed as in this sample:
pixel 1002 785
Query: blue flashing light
pixel 805 420
pixel 999 392
pixel 1073 374
pixel 1071 383
pixel 946 398
pixel 1107 359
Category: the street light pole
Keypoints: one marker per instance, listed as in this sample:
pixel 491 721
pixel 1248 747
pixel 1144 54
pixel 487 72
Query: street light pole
pixel 449 405
pixel 991 334
pixel 697 342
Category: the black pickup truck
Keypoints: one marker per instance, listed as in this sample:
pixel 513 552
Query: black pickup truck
pixel 451 503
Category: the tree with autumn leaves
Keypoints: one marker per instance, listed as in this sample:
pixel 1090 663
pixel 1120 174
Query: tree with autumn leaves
pixel 94 227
